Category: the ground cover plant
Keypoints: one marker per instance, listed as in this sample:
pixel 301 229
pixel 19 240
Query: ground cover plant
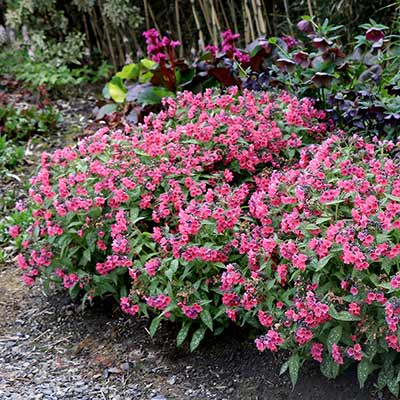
pixel 230 207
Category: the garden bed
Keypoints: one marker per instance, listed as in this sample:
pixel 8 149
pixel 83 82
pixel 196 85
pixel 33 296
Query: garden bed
pixel 51 349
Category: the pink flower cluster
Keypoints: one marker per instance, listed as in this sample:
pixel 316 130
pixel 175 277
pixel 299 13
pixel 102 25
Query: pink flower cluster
pixel 216 209
pixel 159 49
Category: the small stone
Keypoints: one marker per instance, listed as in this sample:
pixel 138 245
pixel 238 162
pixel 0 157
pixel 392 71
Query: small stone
pixel 172 380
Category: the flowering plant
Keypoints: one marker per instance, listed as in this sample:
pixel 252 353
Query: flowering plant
pixel 228 207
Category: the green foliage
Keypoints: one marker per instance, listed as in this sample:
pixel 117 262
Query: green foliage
pixel 11 155
pixel 22 123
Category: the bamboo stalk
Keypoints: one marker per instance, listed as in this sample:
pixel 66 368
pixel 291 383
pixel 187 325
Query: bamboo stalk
pixel 285 3
pixel 226 20
pixel 268 27
pixel 245 24
pixel 247 10
pixel 146 14
pixel 99 41
pixel 233 15
pixel 198 26
pixel 153 18
pixel 310 9
pixel 178 27
pixel 206 16
pixel 110 46
pixel 215 23
pixel 260 16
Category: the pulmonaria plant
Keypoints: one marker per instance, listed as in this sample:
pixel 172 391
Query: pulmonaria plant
pixel 228 207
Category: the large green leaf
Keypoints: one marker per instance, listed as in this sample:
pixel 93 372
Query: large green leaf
pixel 342 315
pixel 207 318
pixel 117 89
pixel 153 95
pixel 182 334
pixel 197 337
pixel 130 71
pixel 294 366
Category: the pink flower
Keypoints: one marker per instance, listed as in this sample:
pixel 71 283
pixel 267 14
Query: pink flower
pixel 152 266
pixel 271 340
pixel 337 354
pixel 354 309
pixel 316 351
pixel 303 336
pixel 14 231
pixel 265 318
pixel 192 311
pixel 127 307
pixel 355 352
pixel 395 282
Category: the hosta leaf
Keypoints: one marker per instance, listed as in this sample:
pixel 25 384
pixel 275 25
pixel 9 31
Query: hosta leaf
pixel 197 337
pixel 182 334
pixel 148 64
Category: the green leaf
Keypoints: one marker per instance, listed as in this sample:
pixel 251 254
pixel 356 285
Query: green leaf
pixel 334 336
pixel 148 64
pixel 107 109
pixel 130 71
pixel 393 386
pixel 117 89
pixel 322 262
pixel 294 365
pixel 363 370
pixel 329 368
pixel 392 197
pixel 182 334
pixel 74 291
pixel 197 337
pixel 207 318
pixel 154 326
pixel 342 315
pixel 322 220
pixel 284 367
pixel 170 272
pixel 153 95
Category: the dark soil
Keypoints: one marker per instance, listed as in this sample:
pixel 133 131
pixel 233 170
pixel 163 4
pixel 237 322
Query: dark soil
pixel 52 349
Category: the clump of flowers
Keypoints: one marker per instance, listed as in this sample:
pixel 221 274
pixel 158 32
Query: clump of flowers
pixel 230 207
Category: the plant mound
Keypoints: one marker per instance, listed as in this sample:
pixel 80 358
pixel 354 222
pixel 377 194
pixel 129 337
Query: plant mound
pixel 230 207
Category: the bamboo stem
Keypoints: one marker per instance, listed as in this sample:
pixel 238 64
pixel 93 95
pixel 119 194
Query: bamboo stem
pixel 153 18
pixel 252 35
pixel 310 9
pixel 178 27
pixel 198 26
pixel 285 3
pixel 146 14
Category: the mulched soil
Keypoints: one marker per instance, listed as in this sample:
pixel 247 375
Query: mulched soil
pixel 51 348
